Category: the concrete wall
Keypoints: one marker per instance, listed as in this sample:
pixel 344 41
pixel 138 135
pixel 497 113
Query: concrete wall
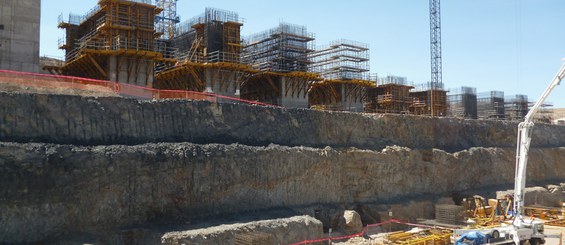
pixel 131 70
pixel 299 100
pixel 19 38
pixel 348 103
pixel 222 82
pixel 106 121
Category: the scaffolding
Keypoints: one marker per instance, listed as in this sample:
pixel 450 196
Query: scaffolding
pixel 344 64
pixel 516 107
pixel 391 95
pixel 544 114
pixel 462 103
pixel 280 57
pixel 342 60
pixel 490 105
pixel 281 49
pixel 429 99
pixel 208 49
pixel 115 40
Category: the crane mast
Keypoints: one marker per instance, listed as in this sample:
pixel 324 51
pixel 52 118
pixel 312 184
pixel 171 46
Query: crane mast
pixel 435 50
pixel 165 22
pixel 523 146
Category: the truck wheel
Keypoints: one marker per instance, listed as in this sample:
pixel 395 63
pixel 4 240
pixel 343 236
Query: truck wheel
pixel 535 241
pixel 495 234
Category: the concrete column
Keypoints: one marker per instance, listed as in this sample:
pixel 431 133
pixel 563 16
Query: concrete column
pixel 298 101
pixel 112 66
pixel 208 78
pixel 19 34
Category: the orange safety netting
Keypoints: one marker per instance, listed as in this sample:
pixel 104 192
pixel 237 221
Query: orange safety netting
pixel 62 83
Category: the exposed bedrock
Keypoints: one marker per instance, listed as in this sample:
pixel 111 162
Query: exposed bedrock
pixel 62 188
pixel 64 119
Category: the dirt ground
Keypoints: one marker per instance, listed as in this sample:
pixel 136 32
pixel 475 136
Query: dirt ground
pixel 96 91
pixel 555 233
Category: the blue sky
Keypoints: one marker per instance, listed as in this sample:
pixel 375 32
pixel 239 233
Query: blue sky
pixel 513 46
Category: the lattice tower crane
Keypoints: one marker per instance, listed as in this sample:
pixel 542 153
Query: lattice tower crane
pixel 167 20
pixel 435 50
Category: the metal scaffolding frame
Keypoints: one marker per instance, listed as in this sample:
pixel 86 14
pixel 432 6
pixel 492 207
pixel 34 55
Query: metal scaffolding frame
pixel 462 102
pixel 284 48
pixel 280 57
pixel 490 105
pixel 545 113
pixel 391 95
pixel 115 40
pixel 342 59
pixel 429 99
pixel 516 107
pixel 208 49
pixel 344 64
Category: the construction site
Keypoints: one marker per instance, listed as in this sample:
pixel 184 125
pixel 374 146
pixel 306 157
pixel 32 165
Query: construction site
pixel 135 42
pixel 119 41
pixel 158 130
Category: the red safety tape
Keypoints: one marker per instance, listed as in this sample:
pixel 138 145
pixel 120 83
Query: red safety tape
pixel 419 225
pixel 329 239
pixel 380 224
pixel 220 96
pixel 396 221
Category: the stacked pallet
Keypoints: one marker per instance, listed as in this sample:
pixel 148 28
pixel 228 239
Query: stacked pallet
pixel 449 214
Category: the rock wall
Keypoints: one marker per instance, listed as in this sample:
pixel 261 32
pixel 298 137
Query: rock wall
pixel 74 188
pixel 64 119
pixel 99 163
pixel 281 231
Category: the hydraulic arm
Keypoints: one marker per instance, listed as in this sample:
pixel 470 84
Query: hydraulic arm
pixel 523 146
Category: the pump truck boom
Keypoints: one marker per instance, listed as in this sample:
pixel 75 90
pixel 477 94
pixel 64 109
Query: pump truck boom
pixel 521 231
pixel 522 148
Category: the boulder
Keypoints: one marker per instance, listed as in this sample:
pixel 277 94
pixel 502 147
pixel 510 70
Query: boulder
pixel 536 196
pixel 350 223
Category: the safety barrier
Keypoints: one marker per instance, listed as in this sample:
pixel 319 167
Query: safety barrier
pixel 69 83
pixel 438 238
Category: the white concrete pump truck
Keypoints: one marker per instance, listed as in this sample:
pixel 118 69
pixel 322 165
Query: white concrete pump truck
pixel 521 231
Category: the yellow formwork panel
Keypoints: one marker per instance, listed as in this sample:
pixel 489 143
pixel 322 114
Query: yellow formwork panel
pixel 558 222
pixel 296 74
pixel 364 83
pixel 406 238
pixel 127 52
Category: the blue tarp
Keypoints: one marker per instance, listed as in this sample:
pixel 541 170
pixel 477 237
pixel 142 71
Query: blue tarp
pixel 475 236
